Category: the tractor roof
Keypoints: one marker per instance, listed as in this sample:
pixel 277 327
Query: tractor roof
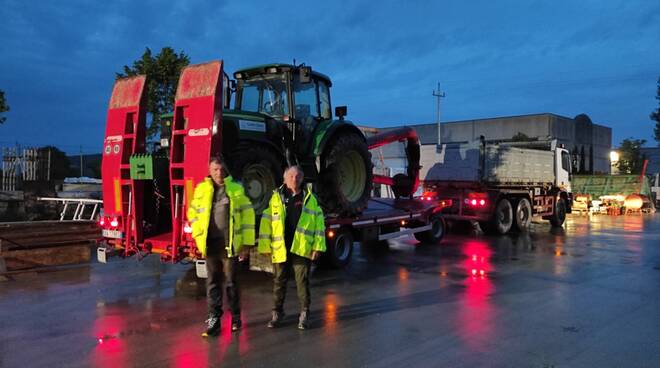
pixel 263 69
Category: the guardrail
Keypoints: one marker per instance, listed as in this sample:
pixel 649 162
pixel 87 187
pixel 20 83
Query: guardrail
pixel 81 205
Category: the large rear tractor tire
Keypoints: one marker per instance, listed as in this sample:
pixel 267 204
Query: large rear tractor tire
pixel 260 171
pixel 346 177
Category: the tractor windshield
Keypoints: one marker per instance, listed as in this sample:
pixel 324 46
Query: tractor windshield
pixel 266 94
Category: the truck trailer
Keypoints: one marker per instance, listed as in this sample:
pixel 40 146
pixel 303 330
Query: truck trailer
pixel 500 185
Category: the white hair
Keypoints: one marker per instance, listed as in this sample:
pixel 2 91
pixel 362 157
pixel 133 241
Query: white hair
pixel 294 167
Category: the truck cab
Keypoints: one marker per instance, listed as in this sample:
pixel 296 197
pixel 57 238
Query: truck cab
pixel 563 169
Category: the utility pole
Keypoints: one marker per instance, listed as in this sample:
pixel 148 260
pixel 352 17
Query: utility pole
pixel 438 95
pixel 81 162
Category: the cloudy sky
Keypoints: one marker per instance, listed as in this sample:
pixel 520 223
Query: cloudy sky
pixel 492 58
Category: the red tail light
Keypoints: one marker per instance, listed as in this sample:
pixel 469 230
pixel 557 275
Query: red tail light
pixel 114 222
pixel 476 199
pixel 428 196
pixel 102 221
pixel 187 228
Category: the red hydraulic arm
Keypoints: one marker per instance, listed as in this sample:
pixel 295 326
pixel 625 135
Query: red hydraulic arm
pixel 124 136
pixel 402 185
pixel 196 136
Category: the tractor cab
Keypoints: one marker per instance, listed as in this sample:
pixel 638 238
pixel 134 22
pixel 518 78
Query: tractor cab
pixel 294 96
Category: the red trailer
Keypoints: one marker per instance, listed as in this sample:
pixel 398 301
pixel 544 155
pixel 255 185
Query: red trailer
pixel 136 196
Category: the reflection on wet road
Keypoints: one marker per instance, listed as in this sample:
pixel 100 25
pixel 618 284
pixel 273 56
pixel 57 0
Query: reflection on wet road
pixel 552 297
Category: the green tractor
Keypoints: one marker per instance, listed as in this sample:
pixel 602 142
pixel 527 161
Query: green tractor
pixel 283 116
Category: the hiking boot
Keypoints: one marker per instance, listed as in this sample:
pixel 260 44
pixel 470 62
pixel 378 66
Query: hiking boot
pixel 212 326
pixel 302 320
pixel 236 323
pixel 276 320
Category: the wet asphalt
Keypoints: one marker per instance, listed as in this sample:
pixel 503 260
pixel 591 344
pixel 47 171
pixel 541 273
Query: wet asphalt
pixel 586 295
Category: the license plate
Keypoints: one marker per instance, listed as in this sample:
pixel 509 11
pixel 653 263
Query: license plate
pixel 114 234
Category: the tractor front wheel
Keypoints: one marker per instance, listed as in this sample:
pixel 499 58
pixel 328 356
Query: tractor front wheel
pixel 260 171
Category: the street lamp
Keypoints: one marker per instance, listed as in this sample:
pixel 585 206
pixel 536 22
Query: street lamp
pixel 614 156
pixel 614 160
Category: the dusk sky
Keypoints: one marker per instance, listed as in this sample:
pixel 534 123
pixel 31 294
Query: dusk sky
pixel 492 58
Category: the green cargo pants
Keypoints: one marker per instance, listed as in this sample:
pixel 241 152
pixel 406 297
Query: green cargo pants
pixel 281 274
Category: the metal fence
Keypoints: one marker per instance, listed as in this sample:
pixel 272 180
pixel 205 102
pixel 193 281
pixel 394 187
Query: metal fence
pixel 24 164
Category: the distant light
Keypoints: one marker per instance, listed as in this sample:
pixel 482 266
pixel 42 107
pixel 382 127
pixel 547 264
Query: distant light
pixel 331 234
pixel 102 221
pixel 114 222
pixel 474 202
pixel 614 156
pixel 100 341
pixel 482 202
pixel 482 272
pixel 403 222
pixel 474 271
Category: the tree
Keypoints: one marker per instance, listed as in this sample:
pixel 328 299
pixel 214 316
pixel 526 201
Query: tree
pixel 3 106
pixel 162 73
pixel 631 159
pixel 655 115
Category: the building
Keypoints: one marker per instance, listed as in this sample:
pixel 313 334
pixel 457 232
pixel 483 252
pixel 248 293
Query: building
pixel 590 144
pixel 653 155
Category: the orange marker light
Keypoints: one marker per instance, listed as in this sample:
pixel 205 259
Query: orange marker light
pixel 331 234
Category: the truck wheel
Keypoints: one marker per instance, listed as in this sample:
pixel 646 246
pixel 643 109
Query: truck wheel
pixel 339 248
pixel 346 177
pixel 503 217
pixel 523 215
pixel 557 219
pixel 260 172
pixel 435 234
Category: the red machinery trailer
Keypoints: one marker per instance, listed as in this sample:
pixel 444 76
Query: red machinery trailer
pixel 132 189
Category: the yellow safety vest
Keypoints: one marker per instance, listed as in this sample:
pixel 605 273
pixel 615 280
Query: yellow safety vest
pixel 310 230
pixel 241 215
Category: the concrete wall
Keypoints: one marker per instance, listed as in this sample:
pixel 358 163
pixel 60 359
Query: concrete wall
pixel 496 129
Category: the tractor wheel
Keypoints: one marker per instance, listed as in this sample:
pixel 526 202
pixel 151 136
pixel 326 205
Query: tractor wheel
pixel 259 170
pixel 346 177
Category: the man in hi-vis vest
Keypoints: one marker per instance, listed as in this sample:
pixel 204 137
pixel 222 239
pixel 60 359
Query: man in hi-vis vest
pixel 292 230
pixel 222 221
